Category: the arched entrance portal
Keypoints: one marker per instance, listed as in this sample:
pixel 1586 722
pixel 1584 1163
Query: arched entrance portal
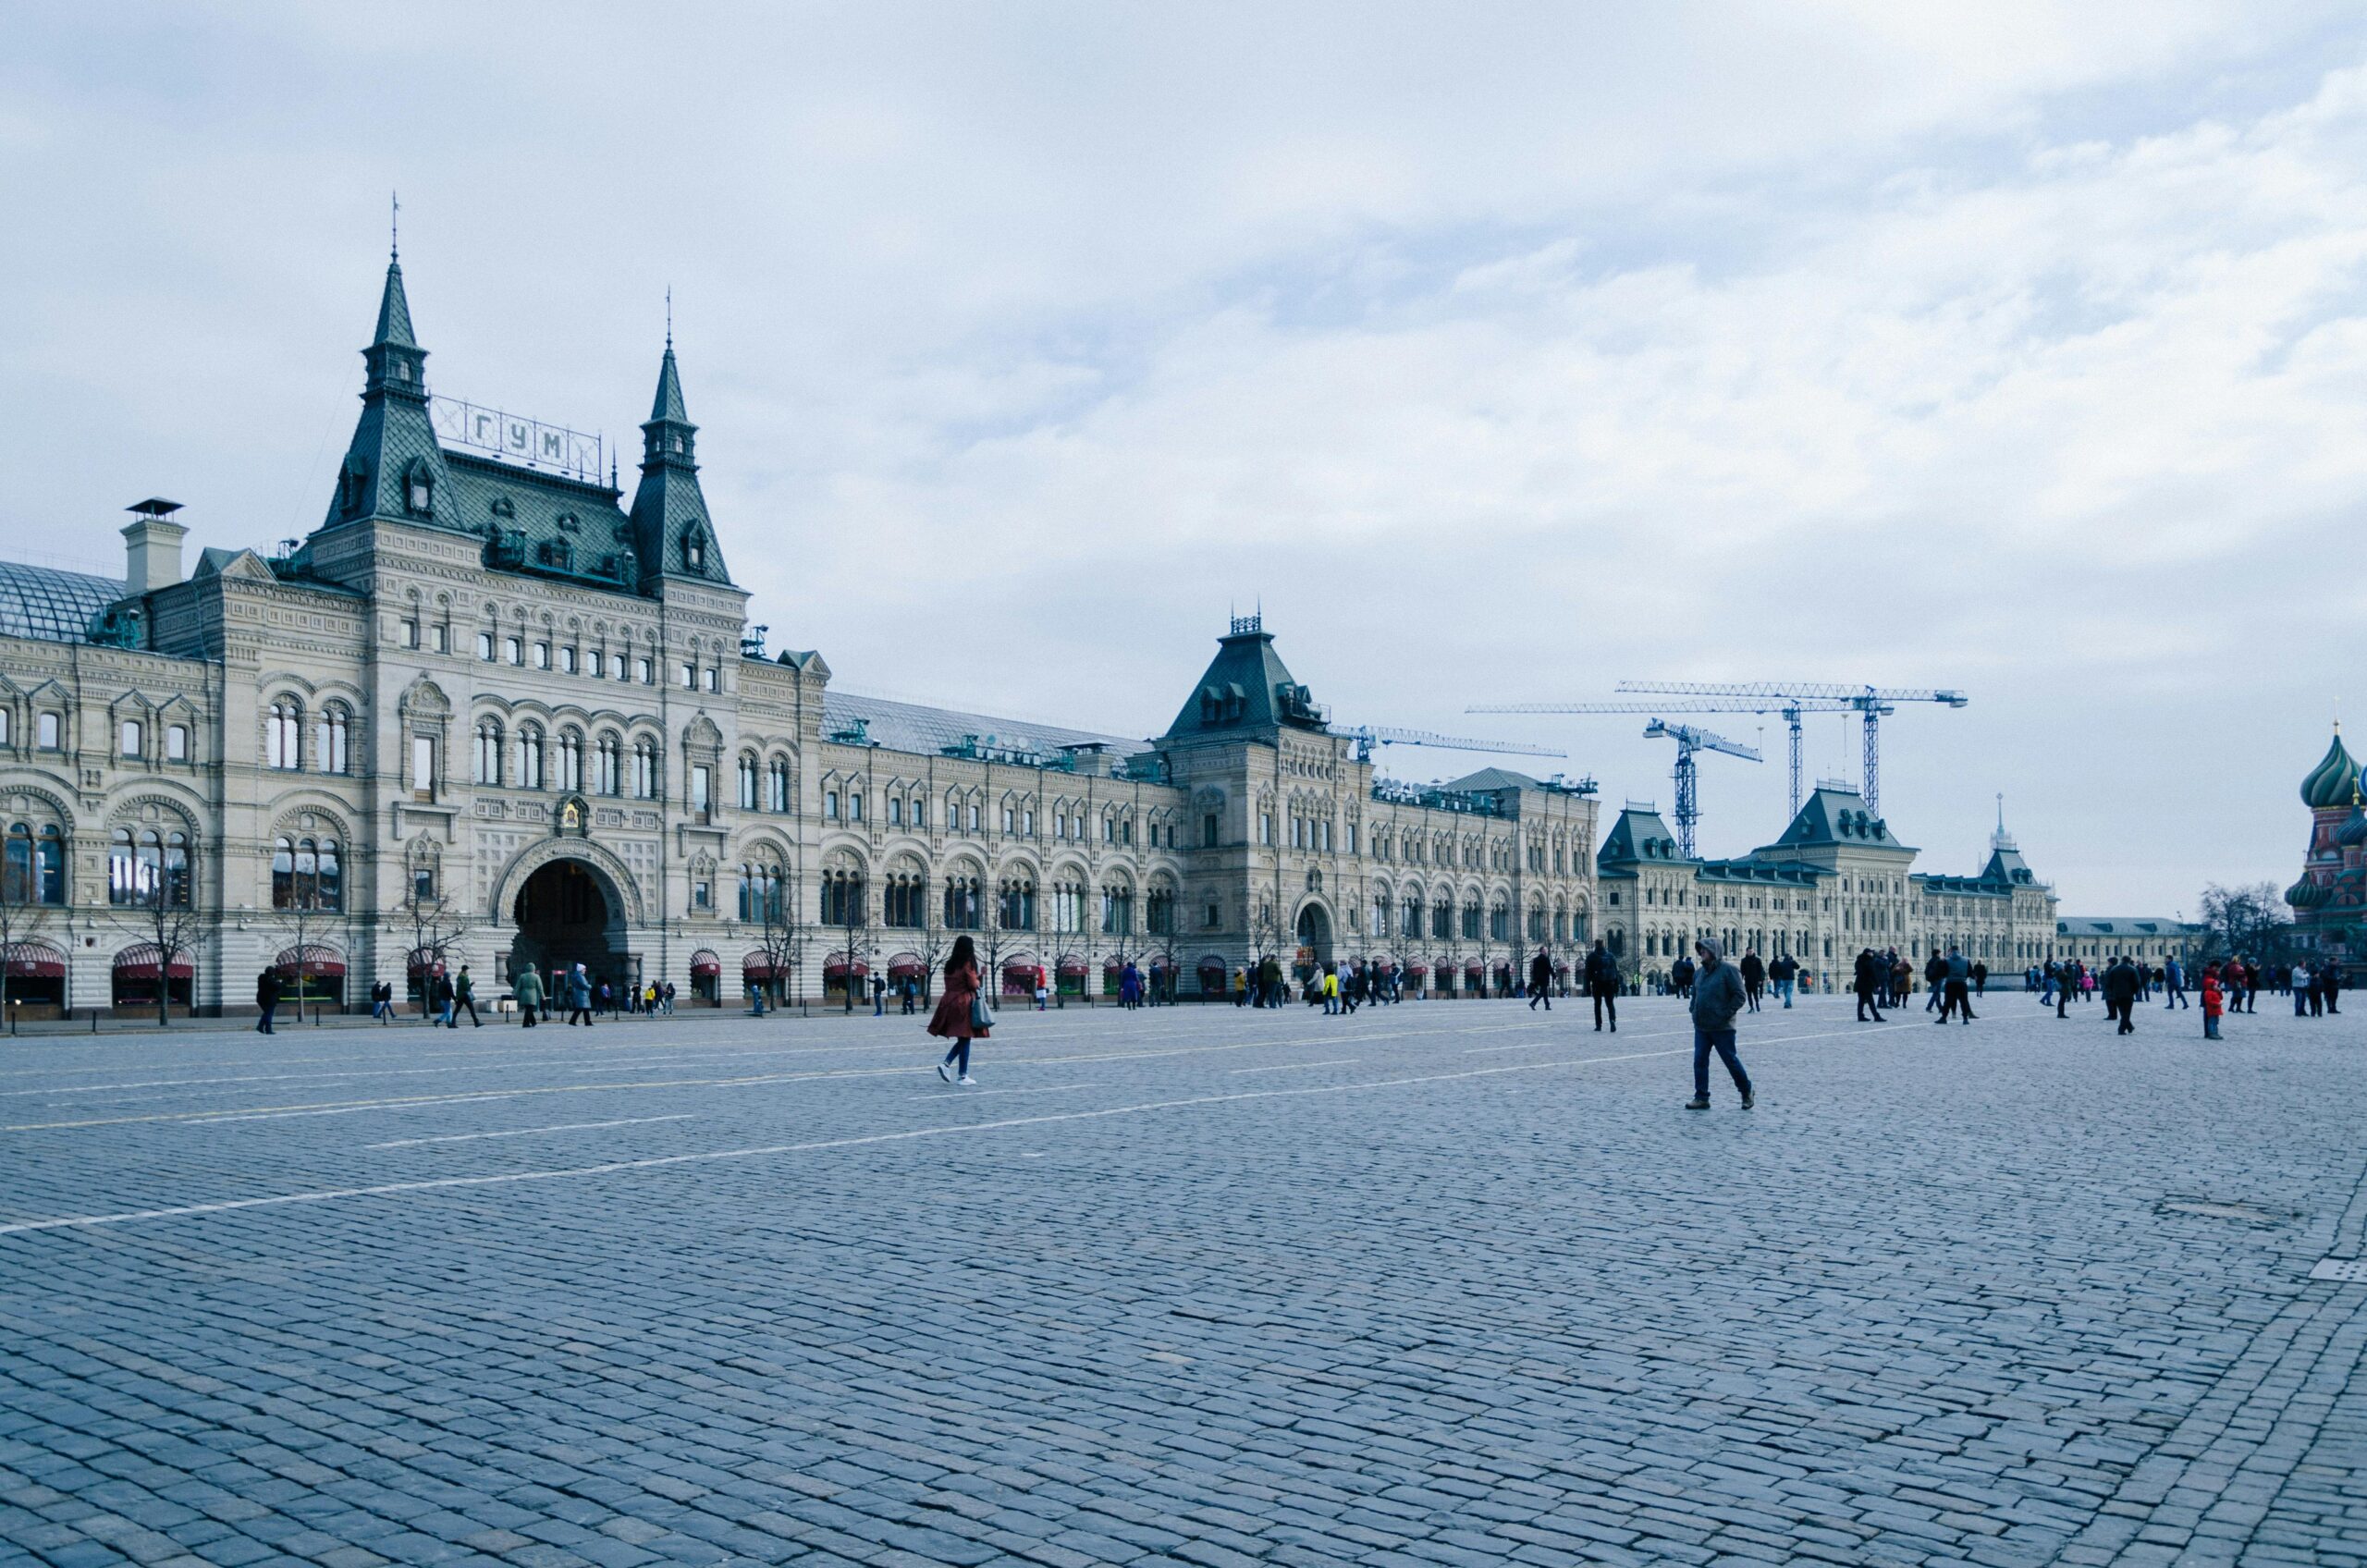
pixel 1314 938
pixel 568 914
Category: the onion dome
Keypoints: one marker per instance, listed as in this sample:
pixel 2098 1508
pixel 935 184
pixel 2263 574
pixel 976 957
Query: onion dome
pixel 2333 780
pixel 2305 894
pixel 2353 831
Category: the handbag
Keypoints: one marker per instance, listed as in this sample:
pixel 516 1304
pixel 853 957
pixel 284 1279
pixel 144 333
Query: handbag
pixel 980 1017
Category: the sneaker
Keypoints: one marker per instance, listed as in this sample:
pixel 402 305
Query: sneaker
pixel 1748 1100
pixel 968 1081
pixel 945 1072
pixel 1698 1102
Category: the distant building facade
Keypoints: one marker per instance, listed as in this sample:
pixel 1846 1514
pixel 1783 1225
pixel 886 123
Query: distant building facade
pixel 494 712
pixel 1838 881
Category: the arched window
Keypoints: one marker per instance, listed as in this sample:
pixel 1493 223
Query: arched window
pixel 608 774
pixel 1117 910
pixel 962 911
pixel 530 757
pixel 148 868
pixel 419 486
pixel 842 898
pixel 904 903
pixel 1015 904
pixel 306 873
pixel 1158 912
pixel 571 760
pixel 761 892
pixel 645 769
pixel 329 739
pixel 487 762
pixel 177 870
pixel 747 783
pixel 123 869
pixel 130 735
pixel 283 734
pixel 776 785
pixel 693 541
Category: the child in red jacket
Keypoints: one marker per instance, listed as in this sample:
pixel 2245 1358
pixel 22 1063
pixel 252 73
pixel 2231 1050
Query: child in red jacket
pixel 2212 1004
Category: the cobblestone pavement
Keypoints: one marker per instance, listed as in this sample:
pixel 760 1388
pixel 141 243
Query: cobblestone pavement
pixel 1434 1285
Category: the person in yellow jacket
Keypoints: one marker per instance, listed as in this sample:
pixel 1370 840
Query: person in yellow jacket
pixel 1331 988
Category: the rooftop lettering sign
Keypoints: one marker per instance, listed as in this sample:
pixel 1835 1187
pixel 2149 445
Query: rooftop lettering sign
pixel 520 440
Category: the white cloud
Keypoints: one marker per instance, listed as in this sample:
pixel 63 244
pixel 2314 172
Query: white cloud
pixel 1506 352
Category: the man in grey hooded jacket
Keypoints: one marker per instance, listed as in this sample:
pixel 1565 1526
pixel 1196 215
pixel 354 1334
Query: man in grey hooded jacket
pixel 1718 995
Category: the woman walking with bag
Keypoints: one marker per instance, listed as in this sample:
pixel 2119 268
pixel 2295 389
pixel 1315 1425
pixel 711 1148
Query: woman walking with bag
pixel 962 1014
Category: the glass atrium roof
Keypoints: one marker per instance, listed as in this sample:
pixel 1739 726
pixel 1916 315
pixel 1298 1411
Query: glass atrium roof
pixel 54 605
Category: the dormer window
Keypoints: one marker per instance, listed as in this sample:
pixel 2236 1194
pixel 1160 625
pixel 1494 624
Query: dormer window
pixel 402 368
pixel 678 443
pixel 694 550
pixel 568 525
pixel 503 507
pixel 419 492
pixel 354 485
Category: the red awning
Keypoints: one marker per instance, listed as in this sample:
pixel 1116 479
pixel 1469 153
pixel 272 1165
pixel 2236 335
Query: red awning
pixel 141 963
pixel 1475 968
pixel 1418 969
pixel 35 960
pixel 705 964
pixel 311 961
pixel 1072 966
pixel 905 969
pixel 837 969
pixel 760 968
pixel 1024 971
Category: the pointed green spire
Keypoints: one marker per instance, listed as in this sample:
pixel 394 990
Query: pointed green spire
pixel 667 407
pixel 394 314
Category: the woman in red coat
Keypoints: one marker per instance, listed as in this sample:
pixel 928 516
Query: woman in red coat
pixel 961 1016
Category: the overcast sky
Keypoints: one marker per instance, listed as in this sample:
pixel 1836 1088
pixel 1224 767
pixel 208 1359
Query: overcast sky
pixel 1502 352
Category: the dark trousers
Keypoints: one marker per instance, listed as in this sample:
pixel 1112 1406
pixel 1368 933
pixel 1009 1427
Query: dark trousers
pixel 526 1016
pixel 1535 998
pixel 581 1015
pixel 470 1003
pixel 1606 999
pixel 1751 994
pixel 262 1025
pixel 2125 1009
pixel 2178 998
pixel 1723 1042
pixel 1866 999
pixel 958 1058
pixel 1954 1001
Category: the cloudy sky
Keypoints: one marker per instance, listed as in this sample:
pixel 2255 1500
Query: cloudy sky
pixel 1502 352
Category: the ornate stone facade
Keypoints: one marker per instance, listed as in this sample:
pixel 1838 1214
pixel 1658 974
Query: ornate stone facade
pixel 490 712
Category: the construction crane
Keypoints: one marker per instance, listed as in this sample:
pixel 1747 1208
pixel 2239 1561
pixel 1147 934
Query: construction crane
pixel 1367 736
pixel 1791 699
pixel 1688 741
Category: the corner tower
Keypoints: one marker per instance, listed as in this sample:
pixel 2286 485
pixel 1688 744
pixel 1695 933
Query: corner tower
pixel 393 467
pixel 671 534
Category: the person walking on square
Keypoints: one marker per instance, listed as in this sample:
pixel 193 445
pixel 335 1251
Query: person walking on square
pixel 2252 985
pixel 1957 976
pixel 1717 997
pixel 2211 1004
pixel 2120 986
pixel 267 1001
pixel 1979 979
pixel 1540 981
pixel 579 997
pixel 1680 977
pixel 960 1014
pixel 464 995
pixel 382 1001
pixel 1754 977
pixel 2174 985
pixel 1869 998
pixel 527 990
pixel 1935 981
pixel 2330 986
pixel 441 987
pixel 1783 972
pixel 2304 987
pixel 1602 984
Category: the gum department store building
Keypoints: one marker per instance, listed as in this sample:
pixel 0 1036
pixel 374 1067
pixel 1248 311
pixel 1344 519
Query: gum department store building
pixel 490 712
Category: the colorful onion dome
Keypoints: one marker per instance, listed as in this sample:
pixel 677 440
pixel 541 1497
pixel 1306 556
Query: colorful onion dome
pixel 2353 831
pixel 2333 780
pixel 2305 894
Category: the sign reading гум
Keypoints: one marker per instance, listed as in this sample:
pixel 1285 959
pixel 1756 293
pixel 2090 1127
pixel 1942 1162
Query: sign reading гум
pixel 525 440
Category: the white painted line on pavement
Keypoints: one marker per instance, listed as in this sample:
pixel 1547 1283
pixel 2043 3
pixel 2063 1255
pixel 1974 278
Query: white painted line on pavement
pixel 525 1132
pixel 1296 1066
pixel 657 1162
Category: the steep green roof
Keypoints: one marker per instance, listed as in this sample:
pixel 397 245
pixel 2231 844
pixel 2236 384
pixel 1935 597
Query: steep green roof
pixel 1637 834
pixel 1836 814
pixel 543 523
pixel 1246 693
pixel 672 534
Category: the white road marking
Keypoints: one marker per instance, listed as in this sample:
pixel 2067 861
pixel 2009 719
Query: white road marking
pixel 527 1132
pixel 910 1135
pixel 343 1109
pixel 1295 1066
pixel 956 1092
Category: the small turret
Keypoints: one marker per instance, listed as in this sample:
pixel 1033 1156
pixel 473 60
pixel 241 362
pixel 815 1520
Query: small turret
pixel 2331 784
pixel 671 534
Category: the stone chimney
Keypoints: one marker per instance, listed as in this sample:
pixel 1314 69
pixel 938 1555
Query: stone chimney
pixel 152 546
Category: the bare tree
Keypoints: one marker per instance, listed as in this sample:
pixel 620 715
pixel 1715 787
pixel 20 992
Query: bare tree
pixel 436 925
pixel 304 926
pixel 779 931
pixel 22 916
pixel 2249 922
pixel 160 906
